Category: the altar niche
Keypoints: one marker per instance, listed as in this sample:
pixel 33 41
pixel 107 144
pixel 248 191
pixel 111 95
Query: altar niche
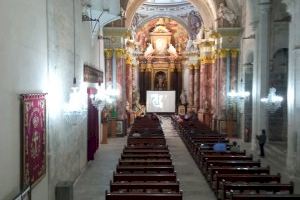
pixel 160 81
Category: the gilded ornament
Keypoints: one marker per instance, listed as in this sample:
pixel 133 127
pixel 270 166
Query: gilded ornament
pixel 120 53
pixel 128 59
pixel 234 53
pixel 223 53
pixel 108 53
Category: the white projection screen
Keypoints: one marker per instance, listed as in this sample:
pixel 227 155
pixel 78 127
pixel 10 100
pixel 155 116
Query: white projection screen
pixel 160 101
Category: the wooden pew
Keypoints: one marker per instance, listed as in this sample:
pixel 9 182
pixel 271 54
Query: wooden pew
pixel 145 169
pixel 256 187
pixel 157 147
pixel 231 163
pixel 148 162
pixel 146 141
pixel 213 171
pixel 170 177
pixel 144 151
pixel 142 156
pixel 246 178
pixel 206 158
pixel 143 196
pixel 199 156
pixel 263 196
pixel 144 186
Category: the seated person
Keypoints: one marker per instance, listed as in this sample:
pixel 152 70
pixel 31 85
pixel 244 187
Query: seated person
pixel 219 147
pixel 136 134
pixel 235 147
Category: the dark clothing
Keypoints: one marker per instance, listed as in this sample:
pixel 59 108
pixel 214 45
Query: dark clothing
pixel 262 151
pixel 261 138
pixel 261 141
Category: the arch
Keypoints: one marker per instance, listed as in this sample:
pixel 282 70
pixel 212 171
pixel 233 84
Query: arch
pixel 206 9
pixel 177 19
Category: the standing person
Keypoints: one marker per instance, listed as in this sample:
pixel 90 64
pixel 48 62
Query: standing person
pixel 261 141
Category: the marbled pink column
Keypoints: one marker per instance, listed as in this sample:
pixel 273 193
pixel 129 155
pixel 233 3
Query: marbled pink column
pixel 202 95
pixel 213 87
pixel 191 85
pixel 121 101
pixel 196 86
pixel 129 83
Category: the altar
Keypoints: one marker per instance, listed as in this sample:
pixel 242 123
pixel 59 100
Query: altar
pixel 160 67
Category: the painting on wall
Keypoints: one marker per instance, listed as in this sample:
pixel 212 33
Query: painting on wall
pixel 33 138
pixel 119 130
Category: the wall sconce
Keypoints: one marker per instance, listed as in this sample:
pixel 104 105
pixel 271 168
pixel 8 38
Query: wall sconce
pixel 273 101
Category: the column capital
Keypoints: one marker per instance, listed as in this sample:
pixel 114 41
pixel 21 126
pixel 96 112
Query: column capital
pixel 234 52
pixel 108 53
pixel 120 53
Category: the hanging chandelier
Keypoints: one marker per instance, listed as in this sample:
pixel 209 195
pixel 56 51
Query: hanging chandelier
pixel 104 96
pixel 273 101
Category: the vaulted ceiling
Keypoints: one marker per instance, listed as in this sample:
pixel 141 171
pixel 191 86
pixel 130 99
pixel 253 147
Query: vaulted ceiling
pixel 207 8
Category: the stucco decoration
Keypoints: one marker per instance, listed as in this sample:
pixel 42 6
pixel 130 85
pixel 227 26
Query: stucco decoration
pixel 194 23
pixel 226 17
pixel 179 34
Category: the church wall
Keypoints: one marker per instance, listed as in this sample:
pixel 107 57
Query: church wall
pixel 23 56
pixel 67 143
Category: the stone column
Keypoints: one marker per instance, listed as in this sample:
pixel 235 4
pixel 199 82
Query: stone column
pixel 129 81
pixel 261 72
pixel 214 83
pixel 293 93
pixel 142 70
pixel 148 76
pixel 223 53
pixel 196 86
pixel 121 101
pixel 108 54
pixel 172 85
pixel 234 69
pixel 191 86
pixel 179 82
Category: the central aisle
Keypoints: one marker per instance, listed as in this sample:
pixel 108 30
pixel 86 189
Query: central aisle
pixel 192 182
pixel 92 184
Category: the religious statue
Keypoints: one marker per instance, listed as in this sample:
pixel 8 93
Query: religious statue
pixel 137 107
pixel 225 13
pixel 183 98
pixel 194 23
pixel 149 51
pixel 160 81
pixel 172 50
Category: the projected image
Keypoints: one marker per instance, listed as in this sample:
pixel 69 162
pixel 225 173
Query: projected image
pixel 160 101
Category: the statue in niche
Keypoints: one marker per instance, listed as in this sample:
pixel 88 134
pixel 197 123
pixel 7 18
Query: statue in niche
pixel 183 98
pixel 194 22
pixel 224 13
pixel 160 81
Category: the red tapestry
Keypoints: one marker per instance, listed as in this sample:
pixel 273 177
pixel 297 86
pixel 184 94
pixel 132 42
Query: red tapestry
pixel 33 138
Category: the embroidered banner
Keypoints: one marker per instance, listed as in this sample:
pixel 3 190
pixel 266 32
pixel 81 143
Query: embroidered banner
pixel 33 138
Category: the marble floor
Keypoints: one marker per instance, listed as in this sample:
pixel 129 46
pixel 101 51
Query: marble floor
pixel 91 185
